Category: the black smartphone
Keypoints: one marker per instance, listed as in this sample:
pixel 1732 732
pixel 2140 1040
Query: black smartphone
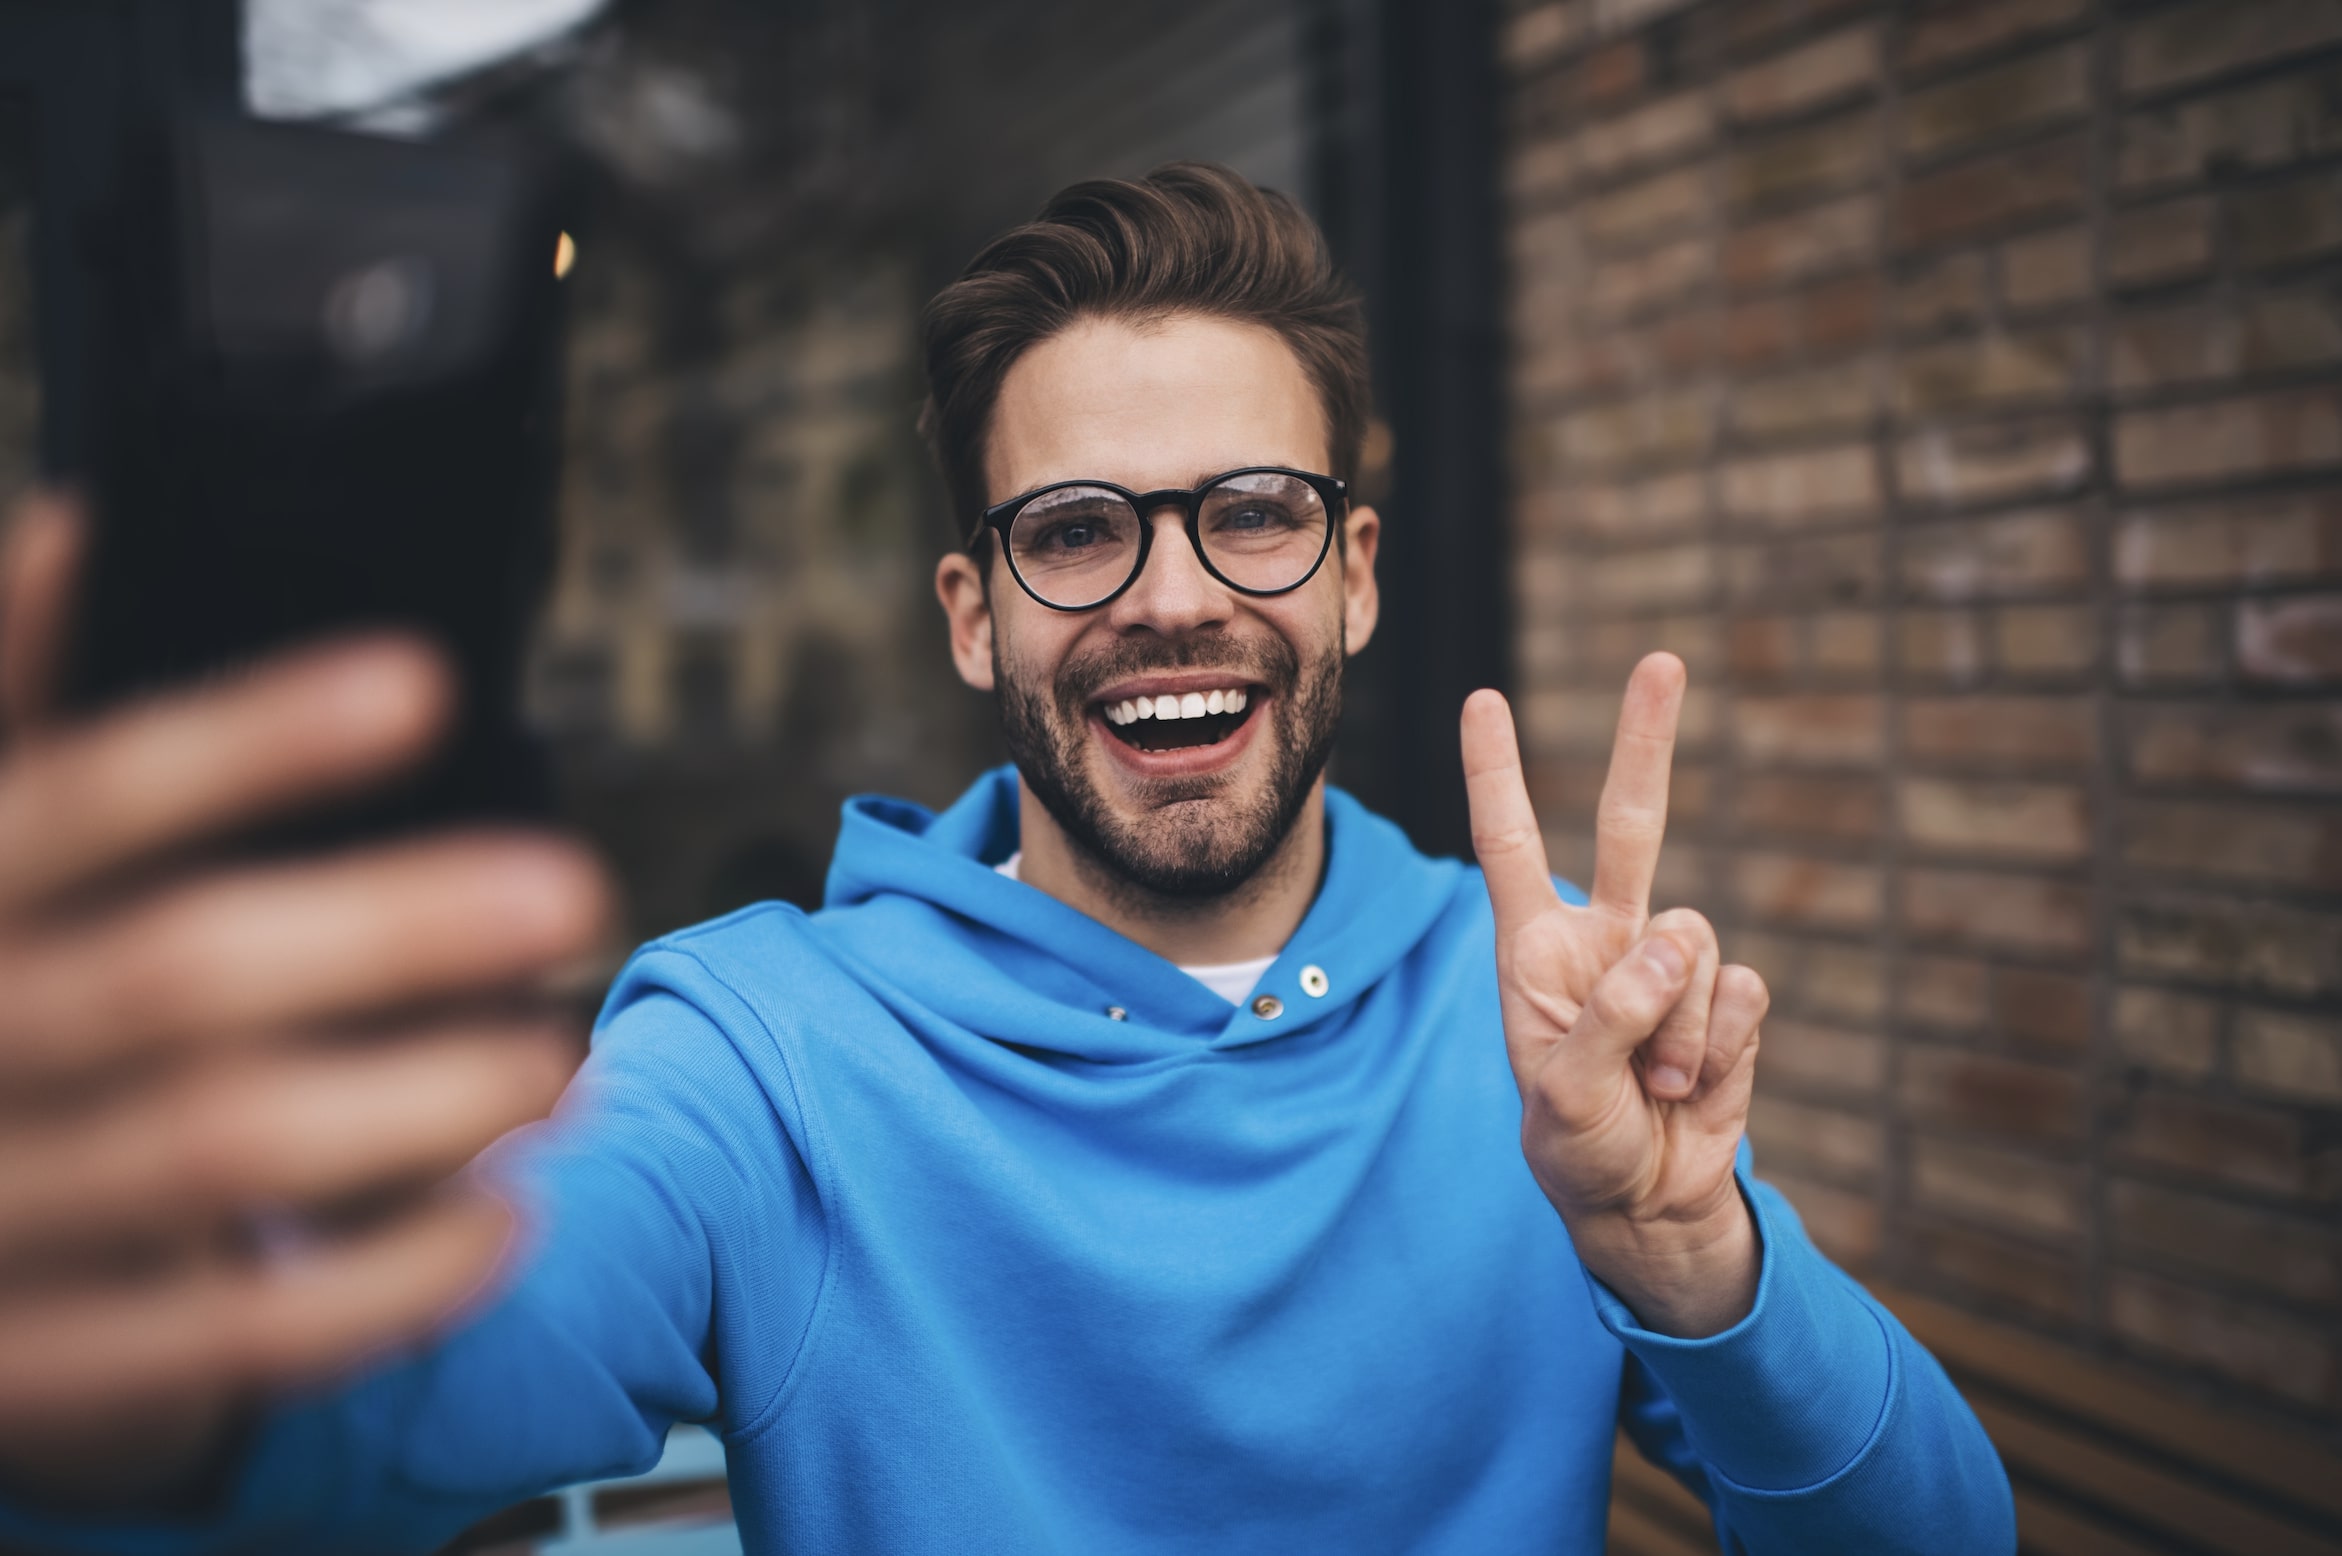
pixel 326 399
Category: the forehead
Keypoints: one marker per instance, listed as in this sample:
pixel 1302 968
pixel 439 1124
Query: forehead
pixel 1155 404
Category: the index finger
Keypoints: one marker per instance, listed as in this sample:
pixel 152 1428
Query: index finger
pixel 1505 837
pixel 1632 817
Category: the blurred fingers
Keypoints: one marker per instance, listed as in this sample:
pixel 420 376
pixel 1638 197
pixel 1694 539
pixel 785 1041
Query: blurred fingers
pixel 37 564
pixel 213 1326
pixel 1676 1054
pixel 79 804
pixel 291 1130
pixel 243 958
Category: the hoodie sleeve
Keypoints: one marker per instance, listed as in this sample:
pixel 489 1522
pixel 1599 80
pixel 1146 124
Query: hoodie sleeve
pixel 605 1335
pixel 1816 1423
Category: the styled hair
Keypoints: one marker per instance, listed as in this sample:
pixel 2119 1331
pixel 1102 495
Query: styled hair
pixel 1188 238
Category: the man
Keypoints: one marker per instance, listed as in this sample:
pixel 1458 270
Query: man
pixel 1127 1158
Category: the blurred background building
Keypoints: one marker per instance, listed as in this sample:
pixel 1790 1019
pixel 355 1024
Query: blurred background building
pixel 1957 387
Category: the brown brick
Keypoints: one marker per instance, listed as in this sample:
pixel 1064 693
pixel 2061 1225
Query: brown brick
pixel 2046 269
pixel 2169 643
pixel 1808 161
pixel 1942 645
pixel 1950 30
pixel 2160 244
pixel 1833 1142
pixel 2277 1253
pixel 1621 288
pixel 1647 209
pixel 1650 507
pixel 2283 224
pixel 2035 821
pixel 2263 843
pixel 1536 36
pixel 2268 333
pixel 2266 434
pixel 1997 1187
pixel 2290 952
pixel 1943 991
pixel 1804 244
pixel 2252 1345
pixel 1825 570
pixel 1988 461
pixel 2262 541
pixel 1667 575
pixel 1817 892
pixel 1822 1058
pixel 2013 912
pixel 1611 73
pixel 2046 1285
pixel 1840 65
pixel 1843 642
pixel 2044 364
pixel 2173 1034
pixel 2274 748
pixel 1945 291
pixel 1810 487
pixel 1763 648
pixel 2029 183
pixel 2032 90
pixel 1989 1094
pixel 1820 399
pixel 1653 132
pixel 1761 333
pixel 2227 1142
pixel 2050 1010
pixel 1540 167
pixel 2188 43
pixel 1649 428
pixel 2046 639
pixel 2296 640
pixel 1843 1224
pixel 1808 731
pixel 2297 1058
pixel 2029 732
pixel 1831 317
pixel 2036 552
pixel 2264 125
pixel 1812 806
pixel 1844 982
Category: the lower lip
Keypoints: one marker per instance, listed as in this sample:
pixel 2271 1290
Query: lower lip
pixel 1183 761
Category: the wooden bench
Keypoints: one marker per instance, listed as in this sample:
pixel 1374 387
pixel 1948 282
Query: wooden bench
pixel 2103 1465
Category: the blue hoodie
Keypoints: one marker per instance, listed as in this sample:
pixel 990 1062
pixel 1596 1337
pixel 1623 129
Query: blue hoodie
pixel 958 1259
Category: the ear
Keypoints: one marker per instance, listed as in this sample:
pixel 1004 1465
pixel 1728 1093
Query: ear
pixel 1361 597
pixel 960 587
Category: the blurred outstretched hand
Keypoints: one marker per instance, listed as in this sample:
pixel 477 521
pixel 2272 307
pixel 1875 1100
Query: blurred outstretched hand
pixel 1634 1051
pixel 194 1053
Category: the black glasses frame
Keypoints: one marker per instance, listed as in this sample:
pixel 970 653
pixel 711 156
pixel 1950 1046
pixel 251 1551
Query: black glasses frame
pixel 1334 494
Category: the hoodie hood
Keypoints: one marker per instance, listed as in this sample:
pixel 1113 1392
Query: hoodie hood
pixel 1024 968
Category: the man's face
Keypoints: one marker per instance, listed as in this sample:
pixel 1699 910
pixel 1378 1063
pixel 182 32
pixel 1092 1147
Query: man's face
pixel 1187 807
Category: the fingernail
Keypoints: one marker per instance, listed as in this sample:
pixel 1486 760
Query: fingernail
pixel 1667 1078
pixel 1665 957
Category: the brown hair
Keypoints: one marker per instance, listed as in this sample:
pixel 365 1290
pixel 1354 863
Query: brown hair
pixel 1190 237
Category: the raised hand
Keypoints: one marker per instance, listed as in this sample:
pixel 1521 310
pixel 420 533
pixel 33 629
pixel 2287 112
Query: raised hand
pixel 192 1054
pixel 1633 1050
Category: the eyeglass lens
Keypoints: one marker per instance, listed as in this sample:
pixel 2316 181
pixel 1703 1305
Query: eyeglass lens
pixel 1078 544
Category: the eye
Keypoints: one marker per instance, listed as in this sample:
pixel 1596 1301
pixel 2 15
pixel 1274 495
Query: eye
pixel 1067 535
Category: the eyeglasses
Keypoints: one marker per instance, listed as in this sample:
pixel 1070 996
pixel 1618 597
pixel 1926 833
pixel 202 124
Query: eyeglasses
pixel 1076 545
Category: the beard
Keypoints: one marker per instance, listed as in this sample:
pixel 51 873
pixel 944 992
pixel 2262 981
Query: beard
pixel 1195 839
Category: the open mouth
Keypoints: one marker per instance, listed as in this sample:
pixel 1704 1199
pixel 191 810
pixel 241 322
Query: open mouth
pixel 1171 722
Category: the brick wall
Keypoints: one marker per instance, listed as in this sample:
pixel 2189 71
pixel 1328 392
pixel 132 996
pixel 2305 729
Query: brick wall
pixel 1958 388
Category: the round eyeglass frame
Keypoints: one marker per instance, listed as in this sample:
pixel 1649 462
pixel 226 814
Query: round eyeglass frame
pixel 1333 493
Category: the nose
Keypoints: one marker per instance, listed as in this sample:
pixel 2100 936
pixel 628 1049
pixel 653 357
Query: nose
pixel 1172 593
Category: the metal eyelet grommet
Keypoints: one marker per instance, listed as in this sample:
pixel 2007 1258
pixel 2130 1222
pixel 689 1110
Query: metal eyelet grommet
pixel 1268 1007
pixel 1117 1013
pixel 1313 981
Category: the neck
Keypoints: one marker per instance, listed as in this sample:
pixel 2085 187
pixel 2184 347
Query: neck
pixel 1256 919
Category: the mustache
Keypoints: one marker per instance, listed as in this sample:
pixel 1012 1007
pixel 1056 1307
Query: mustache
pixel 1270 662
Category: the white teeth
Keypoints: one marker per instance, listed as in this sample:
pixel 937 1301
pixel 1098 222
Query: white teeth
pixel 1191 706
pixel 1143 708
pixel 1215 702
pixel 1166 707
pixel 1236 701
pixel 1125 711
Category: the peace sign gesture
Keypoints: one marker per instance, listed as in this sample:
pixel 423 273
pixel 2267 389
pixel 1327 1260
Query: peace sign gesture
pixel 1633 1050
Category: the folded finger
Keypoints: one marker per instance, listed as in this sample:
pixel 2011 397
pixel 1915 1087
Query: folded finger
pixel 1626 1007
pixel 86 801
pixel 37 565
pixel 1676 1054
pixel 282 1131
pixel 1741 1001
pixel 227 1324
pixel 240 958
